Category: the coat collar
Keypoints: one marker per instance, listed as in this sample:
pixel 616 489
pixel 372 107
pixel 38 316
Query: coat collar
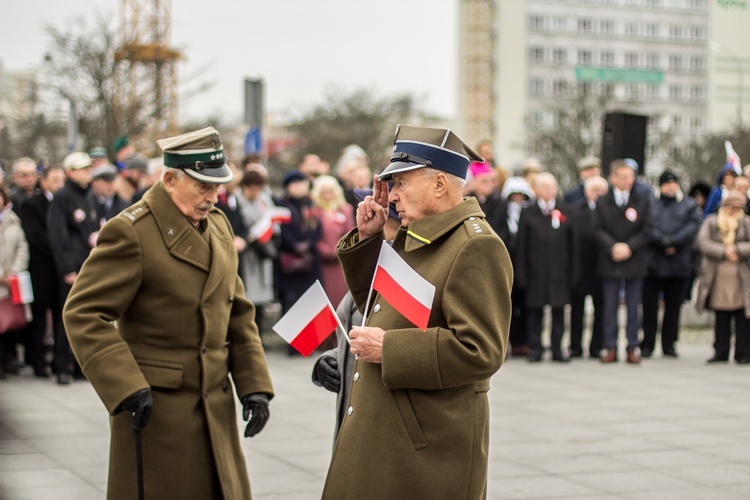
pixel 424 231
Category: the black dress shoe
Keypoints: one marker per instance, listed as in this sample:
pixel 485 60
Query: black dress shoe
pixel 717 359
pixel 534 357
pixel 646 353
pixel 742 361
pixel 64 379
pixel 561 359
pixel 576 353
pixel 671 353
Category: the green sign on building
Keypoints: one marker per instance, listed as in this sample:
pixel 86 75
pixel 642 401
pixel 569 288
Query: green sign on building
pixel 618 75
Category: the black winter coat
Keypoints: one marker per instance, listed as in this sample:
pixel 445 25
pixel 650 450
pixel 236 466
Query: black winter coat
pixel 44 277
pixel 547 263
pixel 71 220
pixel 675 224
pixel 630 224
pixel 584 220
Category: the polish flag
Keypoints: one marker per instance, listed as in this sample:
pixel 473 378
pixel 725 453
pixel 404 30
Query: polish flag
pixel 402 287
pixel 280 215
pixel 263 229
pixel 21 291
pixel 309 321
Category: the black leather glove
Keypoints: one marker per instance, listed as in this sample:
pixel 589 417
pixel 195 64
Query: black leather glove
pixel 140 405
pixel 255 408
pixel 327 374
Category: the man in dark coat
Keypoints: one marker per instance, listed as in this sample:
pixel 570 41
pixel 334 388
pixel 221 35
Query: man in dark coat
pixel 676 221
pixel 104 197
pixel 417 425
pixel 159 321
pixel 44 277
pixel 623 231
pixel 588 166
pixel 546 264
pixel 72 223
pixel 24 176
pixel 584 218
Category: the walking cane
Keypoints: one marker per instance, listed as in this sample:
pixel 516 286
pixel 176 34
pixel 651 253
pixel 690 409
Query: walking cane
pixel 139 463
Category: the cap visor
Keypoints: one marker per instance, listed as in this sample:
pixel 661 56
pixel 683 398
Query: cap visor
pixel 398 167
pixel 220 175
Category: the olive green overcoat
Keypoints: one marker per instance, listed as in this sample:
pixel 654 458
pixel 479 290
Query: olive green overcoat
pixel 183 325
pixel 418 424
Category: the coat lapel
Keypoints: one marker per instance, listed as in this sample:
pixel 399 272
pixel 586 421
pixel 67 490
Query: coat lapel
pixel 220 251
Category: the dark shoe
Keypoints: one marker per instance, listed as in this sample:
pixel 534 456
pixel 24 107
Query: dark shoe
pixel 534 357
pixel 41 373
pixel 79 376
pixel 521 350
pixel 633 357
pixel 646 353
pixel 717 359
pixel 742 361
pixel 595 355
pixel 64 379
pixel 560 358
pixel 576 353
pixel 670 353
pixel 610 356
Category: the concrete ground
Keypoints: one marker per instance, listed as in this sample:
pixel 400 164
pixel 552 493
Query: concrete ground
pixel 665 429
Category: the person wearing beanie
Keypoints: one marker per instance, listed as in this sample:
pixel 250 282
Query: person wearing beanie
pixel 122 149
pixel 724 279
pixel 676 220
pixel 486 193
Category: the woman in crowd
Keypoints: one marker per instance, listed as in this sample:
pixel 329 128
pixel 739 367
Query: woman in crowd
pixel 724 281
pixel 14 258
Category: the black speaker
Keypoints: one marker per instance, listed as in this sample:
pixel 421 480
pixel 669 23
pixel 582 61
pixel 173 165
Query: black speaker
pixel 624 136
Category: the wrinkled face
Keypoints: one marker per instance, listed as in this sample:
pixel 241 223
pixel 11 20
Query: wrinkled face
pixel 622 178
pixel 55 180
pixel 81 176
pixel 193 198
pixel 669 189
pixel 25 176
pixel 545 190
pixel 413 194
pixel 594 191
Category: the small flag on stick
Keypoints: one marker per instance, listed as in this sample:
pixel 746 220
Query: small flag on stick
pixel 263 229
pixel 402 287
pixel 309 321
pixel 21 291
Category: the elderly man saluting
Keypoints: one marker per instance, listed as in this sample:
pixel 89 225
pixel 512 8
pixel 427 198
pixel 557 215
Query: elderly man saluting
pixel 165 270
pixel 418 421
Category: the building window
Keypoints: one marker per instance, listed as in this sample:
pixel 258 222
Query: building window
pixel 676 121
pixel 697 63
pixel 697 93
pixel 652 30
pixel 536 55
pixel 653 91
pixel 536 118
pixel 560 88
pixel 584 58
pixel 696 123
pixel 631 59
pixel 536 86
pixel 697 4
pixel 653 61
pixel 607 27
pixel 675 92
pixel 631 30
pixel 536 23
pixel 559 24
pixel 675 62
pixel 632 91
pixel 697 33
pixel 675 32
pixel 560 56
pixel 584 25
pixel 607 58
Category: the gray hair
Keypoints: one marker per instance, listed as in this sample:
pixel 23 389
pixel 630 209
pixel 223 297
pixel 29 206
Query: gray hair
pixel 595 180
pixel 178 172
pixel 545 176
pixel 453 180
pixel 20 161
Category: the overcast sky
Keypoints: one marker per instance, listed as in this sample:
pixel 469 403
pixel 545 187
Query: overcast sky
pixel 299 47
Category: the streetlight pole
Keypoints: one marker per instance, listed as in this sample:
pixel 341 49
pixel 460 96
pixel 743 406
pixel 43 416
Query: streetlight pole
pixel 740 76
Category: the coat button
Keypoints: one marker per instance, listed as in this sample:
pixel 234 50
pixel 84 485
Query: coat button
pixel 376 308
pixel 231 299
pixel 356 376
pixel 350 410
pixel 204 349
pixel 205 395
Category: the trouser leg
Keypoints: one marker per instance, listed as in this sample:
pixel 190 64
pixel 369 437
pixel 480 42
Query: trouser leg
pixel 611 291
pixel 651 288
pixel 742 336
pixel 722 334
pixel 534 318
pixel 577 309
pixel 633 293
pixel 597 330
pixel 558 328
pixel 673 292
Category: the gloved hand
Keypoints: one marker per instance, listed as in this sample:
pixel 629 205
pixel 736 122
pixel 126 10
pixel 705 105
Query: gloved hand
pixel 140 403
pixel 326 370
pixel 255 408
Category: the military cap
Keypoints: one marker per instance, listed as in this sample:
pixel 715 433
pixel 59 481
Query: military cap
pixel 76 160
pixel 137 162
pixel 120 143
pixel 199 153
pixel 589 162
pixel 98 152
pixel 420 147
pixel 105 172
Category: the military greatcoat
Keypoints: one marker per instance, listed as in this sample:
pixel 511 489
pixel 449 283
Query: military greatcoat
pixel 183 326
pixel 417 425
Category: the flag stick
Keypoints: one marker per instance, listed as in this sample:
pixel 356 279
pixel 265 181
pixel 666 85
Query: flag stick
pixel 338 320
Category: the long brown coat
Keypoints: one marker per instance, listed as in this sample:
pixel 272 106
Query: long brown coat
pixel 183 325
pixel 418 424
pixel 709 243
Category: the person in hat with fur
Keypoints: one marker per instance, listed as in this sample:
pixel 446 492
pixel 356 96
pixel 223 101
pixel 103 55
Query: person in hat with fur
pixel 165 270
pixel 418 418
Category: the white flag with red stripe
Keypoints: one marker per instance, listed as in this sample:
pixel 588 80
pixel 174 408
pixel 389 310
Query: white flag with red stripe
pixel 309 321
pixel 263 229
pixel 402 287
pixel 21 291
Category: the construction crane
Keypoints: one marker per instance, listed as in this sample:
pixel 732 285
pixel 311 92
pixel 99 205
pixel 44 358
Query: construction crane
pixel 477 69
pixel 149 64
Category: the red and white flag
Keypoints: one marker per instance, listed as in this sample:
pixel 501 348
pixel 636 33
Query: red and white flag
pixel 263 229
pixel 21 291
pixel 309 321
pixel 402 287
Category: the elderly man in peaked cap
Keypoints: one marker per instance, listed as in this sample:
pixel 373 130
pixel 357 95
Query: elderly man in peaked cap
pixel 166 271
pixel 417 425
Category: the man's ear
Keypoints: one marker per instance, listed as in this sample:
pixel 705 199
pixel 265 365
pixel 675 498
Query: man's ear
pixel 441 184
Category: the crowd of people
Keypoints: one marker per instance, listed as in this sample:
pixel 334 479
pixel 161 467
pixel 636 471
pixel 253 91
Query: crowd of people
pixel 613 240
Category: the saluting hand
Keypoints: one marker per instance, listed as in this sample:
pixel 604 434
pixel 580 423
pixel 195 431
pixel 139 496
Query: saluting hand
pixel 372 212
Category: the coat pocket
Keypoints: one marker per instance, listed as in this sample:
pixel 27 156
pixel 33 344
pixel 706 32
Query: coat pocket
pixel 161 375
pixel 409 419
